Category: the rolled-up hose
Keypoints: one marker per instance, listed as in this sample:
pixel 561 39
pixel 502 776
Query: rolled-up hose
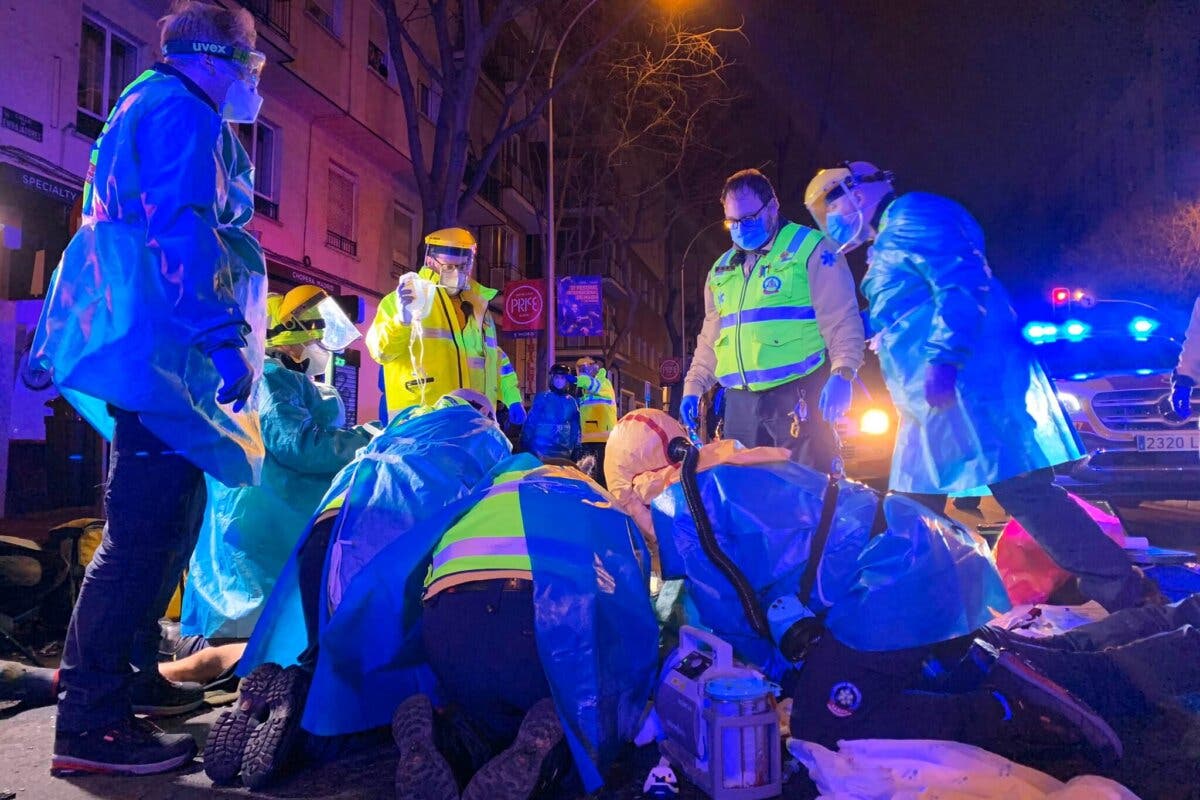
pixel 680 449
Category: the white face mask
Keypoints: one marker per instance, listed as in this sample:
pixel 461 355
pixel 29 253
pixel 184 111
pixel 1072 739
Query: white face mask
pixel 242 102
pixel 318 360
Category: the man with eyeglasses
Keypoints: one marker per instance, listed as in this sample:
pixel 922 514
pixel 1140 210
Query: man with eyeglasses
pixel 782 331
pixel 446 339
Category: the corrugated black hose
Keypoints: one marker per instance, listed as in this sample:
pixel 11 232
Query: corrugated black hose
pixel 681 449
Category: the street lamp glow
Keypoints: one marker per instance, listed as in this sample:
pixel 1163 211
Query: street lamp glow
pixel 875 422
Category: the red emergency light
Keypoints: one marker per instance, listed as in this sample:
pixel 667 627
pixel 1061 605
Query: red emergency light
pixel 1060 296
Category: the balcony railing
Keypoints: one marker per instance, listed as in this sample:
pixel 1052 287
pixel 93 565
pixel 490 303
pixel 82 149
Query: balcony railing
pixel 339 242
pixel 275 14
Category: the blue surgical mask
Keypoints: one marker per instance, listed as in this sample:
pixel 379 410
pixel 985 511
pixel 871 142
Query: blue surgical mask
pixel 750 234
pixel 845 230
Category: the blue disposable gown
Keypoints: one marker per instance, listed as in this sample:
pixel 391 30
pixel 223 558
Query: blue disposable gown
pixel 933 299
pixel 161 273
pixel 923 580
pixel 552 429
pixel 249 531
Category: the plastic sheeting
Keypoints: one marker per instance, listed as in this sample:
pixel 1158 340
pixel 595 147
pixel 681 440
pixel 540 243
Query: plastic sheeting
pixel 552 429
pixel 899 769
pixel 933 299
pixel 596 629
pixel 249 531
pixel 923 580
pixel 161 272
pixel 423 461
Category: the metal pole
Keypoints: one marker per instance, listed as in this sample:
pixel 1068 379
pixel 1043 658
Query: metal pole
pixel 551 232
pixel 683 297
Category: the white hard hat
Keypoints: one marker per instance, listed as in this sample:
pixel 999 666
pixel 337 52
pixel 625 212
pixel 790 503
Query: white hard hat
pixel 830 184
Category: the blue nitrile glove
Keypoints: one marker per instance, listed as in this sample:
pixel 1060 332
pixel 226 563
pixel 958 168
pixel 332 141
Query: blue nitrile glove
pixel 1181 395
pixel 835 398
pixel 516 414
pixel 689 410
pixel 940 380
pixel 236 377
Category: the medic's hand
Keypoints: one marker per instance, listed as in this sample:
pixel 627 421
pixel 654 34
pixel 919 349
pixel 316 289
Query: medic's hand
pixel 1181 395
pixel 236 377
pixel 516 414
pixel 689 410
pixel 940 380
pixel 571 379
pixel 835 398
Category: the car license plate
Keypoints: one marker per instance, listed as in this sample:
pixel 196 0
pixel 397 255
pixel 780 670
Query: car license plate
pixel 1168 442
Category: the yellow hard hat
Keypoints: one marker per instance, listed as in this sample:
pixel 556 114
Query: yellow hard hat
pixel 293 318
pixel 452 238
pixel 585 361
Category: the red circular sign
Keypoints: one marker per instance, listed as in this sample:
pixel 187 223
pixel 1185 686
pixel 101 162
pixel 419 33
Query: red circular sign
pixel 670 370
pixel 523 305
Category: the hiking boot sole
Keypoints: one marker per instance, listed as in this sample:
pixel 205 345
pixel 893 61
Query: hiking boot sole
pixel 70 765
pixel 514 774
pixel 1104 741
pixel 270 746
pixel 226 745
pixel 422 772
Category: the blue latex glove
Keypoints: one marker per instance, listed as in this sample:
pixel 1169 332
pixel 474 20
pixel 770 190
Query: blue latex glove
pixel 236 377
pixel 1181 395
pixel 516 414
pixel 835 398
pixel 940 380
pixel 689 410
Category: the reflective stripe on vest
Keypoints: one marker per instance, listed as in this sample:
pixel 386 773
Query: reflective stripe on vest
pixel 768 331
pixel 488 537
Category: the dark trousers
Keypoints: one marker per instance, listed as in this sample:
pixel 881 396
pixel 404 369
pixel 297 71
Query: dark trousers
pixel 1068 535
pixel 310 565
pixel 152 505
pixel 1125 664
pixel 842 693
pixel 480 643
pixel 772 418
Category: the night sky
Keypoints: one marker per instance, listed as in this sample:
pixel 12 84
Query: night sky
pixel 968 99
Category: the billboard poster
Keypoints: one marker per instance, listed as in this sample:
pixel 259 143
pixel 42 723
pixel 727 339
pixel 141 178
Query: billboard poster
pixel 581 306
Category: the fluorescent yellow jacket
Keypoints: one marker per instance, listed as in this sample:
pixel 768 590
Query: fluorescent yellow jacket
pixel 597 407
pixel 768 334
pixel 453 355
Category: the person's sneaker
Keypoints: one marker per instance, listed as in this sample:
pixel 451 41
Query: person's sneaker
pixel 130 747
pixel 1041 713
pixel 522 769
pixel 422 772
pixel 226 745
pixel 154 696
pixel 272 745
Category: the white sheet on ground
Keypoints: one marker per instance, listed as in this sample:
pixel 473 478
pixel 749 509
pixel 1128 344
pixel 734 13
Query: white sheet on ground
pixel 908 769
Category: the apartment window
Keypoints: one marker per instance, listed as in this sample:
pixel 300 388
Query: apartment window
pixel 261 141
pixel 341 211
pixel 107 63
pixel 327 13
pixel 402 239
pixel 379 58
pixel 431 101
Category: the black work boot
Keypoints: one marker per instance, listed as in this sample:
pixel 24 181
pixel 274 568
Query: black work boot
pixel 272 746
pixel 1041 714
pixel 422 772
pixel 529 765
pixel 130 747
pixel 155 696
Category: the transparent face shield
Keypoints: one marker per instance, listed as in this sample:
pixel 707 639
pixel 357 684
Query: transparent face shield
pixel 337 331
pixel 838 213
pixel 250 63
pixel 454 266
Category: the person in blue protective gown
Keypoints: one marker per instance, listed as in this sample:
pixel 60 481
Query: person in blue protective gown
pixel 249 531
pixel 552 429
pixel 856 638
pixel 976 409
pixel 340 642
pixel 152 329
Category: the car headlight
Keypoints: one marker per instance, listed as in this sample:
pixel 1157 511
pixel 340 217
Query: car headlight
pixel 1070 402
pixel 875 422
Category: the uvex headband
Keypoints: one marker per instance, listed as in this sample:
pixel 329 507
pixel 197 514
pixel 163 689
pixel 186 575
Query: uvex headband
pixel 252 60
pixel 879 176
